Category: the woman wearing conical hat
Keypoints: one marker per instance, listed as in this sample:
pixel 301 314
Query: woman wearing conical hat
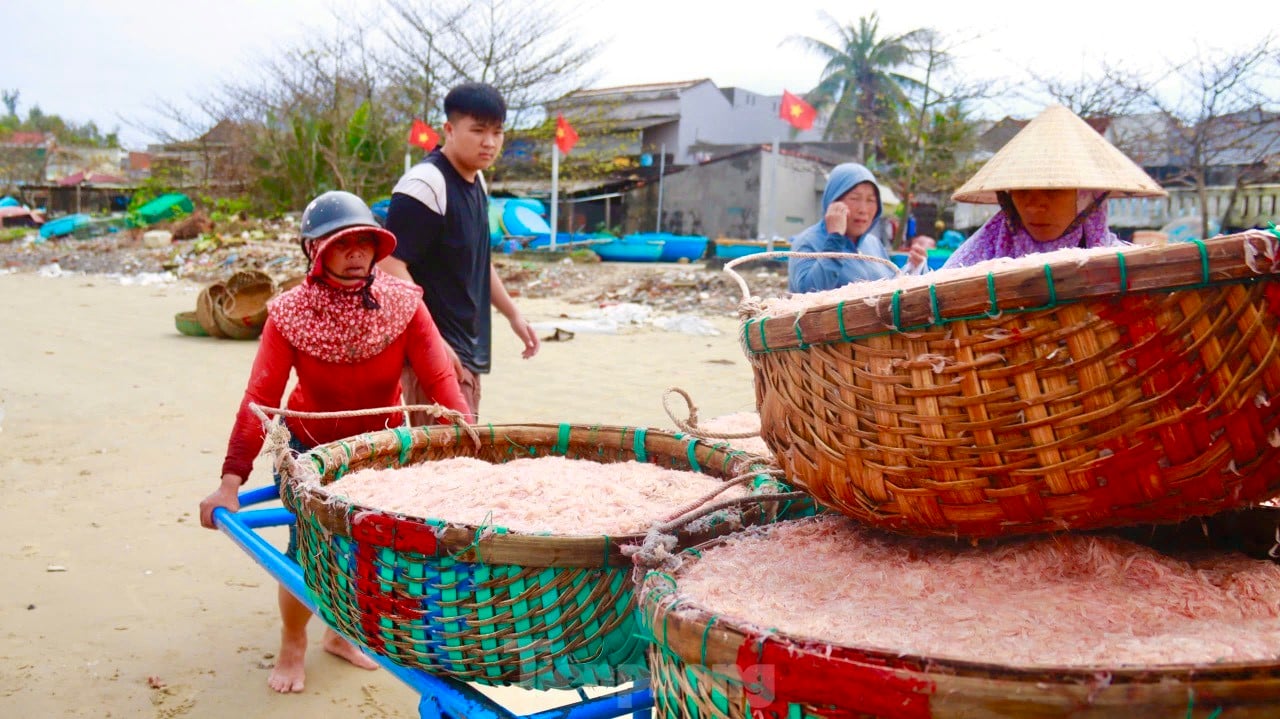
pixel 1052 182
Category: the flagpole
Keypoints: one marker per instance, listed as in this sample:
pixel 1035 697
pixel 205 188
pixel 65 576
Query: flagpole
pixel 555 191
pixel 662 170
pixel 773 196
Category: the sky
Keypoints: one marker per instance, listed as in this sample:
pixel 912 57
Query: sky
pixel 115 62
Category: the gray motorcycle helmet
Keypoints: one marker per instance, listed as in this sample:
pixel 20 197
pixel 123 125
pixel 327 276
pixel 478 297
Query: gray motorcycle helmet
pixel 335 210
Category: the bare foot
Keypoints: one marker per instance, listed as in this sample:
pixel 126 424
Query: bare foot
pixel 339 647
pixel 289 674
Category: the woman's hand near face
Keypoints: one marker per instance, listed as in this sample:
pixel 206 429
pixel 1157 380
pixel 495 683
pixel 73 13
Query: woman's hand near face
pixel 837 218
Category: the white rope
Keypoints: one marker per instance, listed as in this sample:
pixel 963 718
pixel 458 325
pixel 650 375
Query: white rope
pixel 746 292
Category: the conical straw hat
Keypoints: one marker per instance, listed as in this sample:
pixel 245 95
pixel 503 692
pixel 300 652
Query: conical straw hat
pixel 1058 150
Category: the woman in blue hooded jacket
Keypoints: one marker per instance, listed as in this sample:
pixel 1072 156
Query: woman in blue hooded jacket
pixel 850 206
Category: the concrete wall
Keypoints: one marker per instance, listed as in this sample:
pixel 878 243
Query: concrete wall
pixel 730 198
pixel 798 196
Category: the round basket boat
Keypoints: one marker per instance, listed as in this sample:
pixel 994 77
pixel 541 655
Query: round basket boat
pixel 206 302
pixel 485 604
pixel 242 310
pixel 1122 387
pixel 707 665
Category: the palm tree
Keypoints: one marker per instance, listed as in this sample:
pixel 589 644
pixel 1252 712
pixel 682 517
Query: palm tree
pixel 860 88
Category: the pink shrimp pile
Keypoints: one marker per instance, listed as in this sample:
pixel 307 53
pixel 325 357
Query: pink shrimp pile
pixel 572 497
pixel 1068 600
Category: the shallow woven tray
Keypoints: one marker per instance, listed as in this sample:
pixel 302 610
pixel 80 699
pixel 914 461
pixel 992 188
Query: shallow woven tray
pixel 707 666
pixel 1141 386
pixel 188 323
pixel 489 605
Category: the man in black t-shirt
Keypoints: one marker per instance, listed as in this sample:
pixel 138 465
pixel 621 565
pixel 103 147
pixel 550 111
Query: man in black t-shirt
pixel 439 214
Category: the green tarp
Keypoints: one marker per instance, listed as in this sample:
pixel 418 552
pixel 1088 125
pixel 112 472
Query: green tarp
pixel 162 208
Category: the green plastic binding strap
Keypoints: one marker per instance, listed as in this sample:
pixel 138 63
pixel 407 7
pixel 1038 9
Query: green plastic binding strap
pixel 406 441
pixel 1271 227
pixel 746 333
pixel 896 305
pixel 562 440
pixel 1204 269
pixel 346 459
pixel 844 334
pixel 637 444
pixel 991 312
pixel 933 304
pixel 764 343
pixel 691 449
pixel 1053 290
pixel 604 562
pixel 799 334
pixel 1204 262
pixel 706 631
pixel 1124 272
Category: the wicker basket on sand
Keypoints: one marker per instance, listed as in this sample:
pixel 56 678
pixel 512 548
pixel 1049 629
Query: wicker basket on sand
pixel 1129 386
pixel 242 311
pixel 488 604
pixel 206 301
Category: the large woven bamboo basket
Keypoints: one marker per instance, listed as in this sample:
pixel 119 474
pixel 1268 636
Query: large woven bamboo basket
pixel 242 311
pixel 1137 386
pixel 711 666
pixel 485 604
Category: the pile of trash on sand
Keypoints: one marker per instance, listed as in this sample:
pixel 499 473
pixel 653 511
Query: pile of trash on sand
pixel 198 250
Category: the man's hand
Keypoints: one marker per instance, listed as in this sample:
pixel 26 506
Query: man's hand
pixel 525 332
pixel 453 360
pixel 837 218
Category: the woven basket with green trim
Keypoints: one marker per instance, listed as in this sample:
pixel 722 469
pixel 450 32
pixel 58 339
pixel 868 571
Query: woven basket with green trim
pixel 705 665
pixel 1137 386
pixel 484 604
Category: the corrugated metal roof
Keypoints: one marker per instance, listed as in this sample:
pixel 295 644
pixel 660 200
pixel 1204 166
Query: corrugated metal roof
pixel 658 89
pixel 93 178
pixel 634 123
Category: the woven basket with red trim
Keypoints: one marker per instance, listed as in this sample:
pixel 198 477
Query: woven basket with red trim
pixel 706 665
pixel 1137 386
pixel 485 604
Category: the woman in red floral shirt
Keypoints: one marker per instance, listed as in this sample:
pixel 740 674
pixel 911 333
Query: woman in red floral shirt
pixel 347 332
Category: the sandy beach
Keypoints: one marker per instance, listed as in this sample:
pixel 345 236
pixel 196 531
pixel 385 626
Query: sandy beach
pixel 118 604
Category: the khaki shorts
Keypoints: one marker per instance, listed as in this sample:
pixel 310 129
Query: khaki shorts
pixel 411 390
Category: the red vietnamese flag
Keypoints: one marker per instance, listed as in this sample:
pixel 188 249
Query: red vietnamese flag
pixel 566 136
pixel 797 112
pixel 423 136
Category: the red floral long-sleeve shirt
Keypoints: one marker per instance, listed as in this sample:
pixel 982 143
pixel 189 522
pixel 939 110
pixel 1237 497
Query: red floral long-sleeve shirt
pixel 335 387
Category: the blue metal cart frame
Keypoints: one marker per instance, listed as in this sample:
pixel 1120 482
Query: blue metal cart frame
pixel 442 697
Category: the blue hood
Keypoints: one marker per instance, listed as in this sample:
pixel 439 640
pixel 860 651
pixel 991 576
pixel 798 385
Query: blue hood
pixel 844 178
pixel 809 274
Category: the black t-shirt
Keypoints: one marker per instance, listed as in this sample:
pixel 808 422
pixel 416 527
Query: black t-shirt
pixel 441 224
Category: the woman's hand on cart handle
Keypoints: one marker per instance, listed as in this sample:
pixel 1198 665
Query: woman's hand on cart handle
pixel 226 495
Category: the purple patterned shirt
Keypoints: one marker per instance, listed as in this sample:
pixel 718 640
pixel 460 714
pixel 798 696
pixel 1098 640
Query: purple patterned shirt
pixel 1002 236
